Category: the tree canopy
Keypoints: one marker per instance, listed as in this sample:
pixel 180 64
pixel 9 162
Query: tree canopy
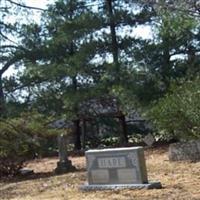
pixel 82 50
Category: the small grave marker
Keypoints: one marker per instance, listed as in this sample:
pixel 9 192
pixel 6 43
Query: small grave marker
pixel 149 139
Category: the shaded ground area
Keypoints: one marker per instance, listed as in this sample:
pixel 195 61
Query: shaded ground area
pixel 180 180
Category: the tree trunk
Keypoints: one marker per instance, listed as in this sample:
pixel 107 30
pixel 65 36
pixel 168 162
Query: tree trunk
pixel 191 62
pixel 123 131
pixel 83 133
pixel 2 99
pixel 115 48
pixel 77 130
pixel 166 66
pixel 77 139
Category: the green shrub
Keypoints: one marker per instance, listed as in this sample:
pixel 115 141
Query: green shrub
pixel 14 148
pixel 177 115
pixel 22 139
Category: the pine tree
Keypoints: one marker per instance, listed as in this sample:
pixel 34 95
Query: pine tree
pixel 64 67
pixel 11 51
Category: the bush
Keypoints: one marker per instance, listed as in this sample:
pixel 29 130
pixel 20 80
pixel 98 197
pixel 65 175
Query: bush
pixel 177 115
pixel 22 139
pixel 14 148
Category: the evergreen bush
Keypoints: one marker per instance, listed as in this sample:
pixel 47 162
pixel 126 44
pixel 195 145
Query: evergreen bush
pixel 177 115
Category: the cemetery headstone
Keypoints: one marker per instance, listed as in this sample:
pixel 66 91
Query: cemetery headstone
pixel 185 151
pixel 149 139
pixel 117 168
pixel 64 164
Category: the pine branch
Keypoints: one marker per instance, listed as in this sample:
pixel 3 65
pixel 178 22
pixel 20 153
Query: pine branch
pixel 24 6
pixel 9 63
pixel 6 38
pixel 9 46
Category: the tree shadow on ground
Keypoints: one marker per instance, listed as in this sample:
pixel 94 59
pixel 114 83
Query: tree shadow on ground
pixel 22 186
pixel 40 175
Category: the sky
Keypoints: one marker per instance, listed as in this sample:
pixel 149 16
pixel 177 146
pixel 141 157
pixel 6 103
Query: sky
pixel 142 31
pixel 37 3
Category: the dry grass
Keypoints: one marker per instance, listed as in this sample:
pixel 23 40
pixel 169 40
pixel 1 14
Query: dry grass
pixel 180 180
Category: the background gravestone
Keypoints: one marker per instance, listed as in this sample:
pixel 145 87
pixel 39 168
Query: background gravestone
pixel 149 139
pixel 64 164
pixel 185 151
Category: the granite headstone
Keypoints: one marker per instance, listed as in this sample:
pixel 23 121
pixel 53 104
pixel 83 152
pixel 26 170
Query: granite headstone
pixel 185 151
pixel 117 168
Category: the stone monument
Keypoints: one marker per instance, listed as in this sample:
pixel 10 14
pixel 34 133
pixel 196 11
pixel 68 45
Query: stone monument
pixel 185 151
pixel 64 164
pixel 117 168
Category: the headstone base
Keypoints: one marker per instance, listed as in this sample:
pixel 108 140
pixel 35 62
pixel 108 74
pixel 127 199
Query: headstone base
pixel 64 167
pixel 26 172
pixel 151 185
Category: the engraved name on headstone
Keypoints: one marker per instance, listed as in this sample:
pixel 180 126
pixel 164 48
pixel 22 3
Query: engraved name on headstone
pixel 113 162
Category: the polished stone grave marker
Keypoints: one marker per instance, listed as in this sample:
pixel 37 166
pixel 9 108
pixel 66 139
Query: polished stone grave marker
pixel 117 168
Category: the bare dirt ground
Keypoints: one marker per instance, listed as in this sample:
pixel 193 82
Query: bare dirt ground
pixel 180 181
